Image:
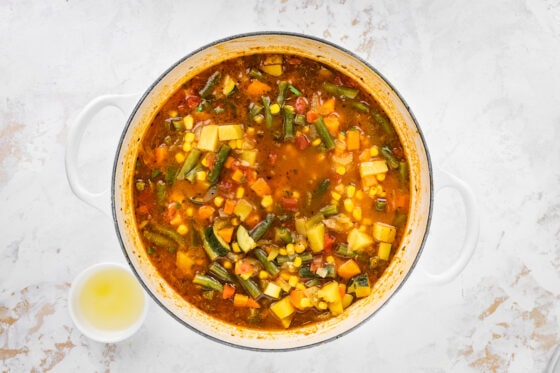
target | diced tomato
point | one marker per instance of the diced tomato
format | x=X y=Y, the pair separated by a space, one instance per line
x=311 y=116
x=226 y=186
x=301 y=105
x=302 y=142
x=316 y=263
x=291 y=60
x=330 y=240
x=228 y=291
x=192 y=101
x=272 y=158
x=290 y=203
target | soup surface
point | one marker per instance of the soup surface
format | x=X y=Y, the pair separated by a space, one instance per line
x=271 y=191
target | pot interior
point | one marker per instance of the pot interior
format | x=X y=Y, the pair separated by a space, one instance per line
x=328 y=54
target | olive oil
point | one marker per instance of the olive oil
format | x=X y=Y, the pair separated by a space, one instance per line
x=111 y=300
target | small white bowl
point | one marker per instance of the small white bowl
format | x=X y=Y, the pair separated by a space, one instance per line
x=105 y=316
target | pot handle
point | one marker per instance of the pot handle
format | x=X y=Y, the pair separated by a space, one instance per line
x=98 y=199
x=443 y=180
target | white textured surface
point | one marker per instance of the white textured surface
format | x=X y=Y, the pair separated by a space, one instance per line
x=481 y=77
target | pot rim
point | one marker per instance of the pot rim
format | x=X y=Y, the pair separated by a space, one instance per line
x=240 y=36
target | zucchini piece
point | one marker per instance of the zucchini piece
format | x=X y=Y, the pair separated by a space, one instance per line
x=269 y=266
x=220 y=272
x=208 y=138
x=273 y=290
x=359 y=285
x=244 y=240
x=228 y=132
x=213 y=244
x=208 y=282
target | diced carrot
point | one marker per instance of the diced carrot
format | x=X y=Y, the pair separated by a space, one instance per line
x=302 y=142
x=229 y=206
x=299 y=299
x=205 y=212
x=369 y=180
x=342 y=289
x=161 y=154
x=238 y=175
x=348 y=269
x=329 y=242
x=226 y=233
x=353 y=140
x=252 y=220
x=229 y=162
x=402 y=200
x=257 y=88
x=251 y=303
x=311 y=116
x=228 y=291
x=290 y=203
x=260 y=187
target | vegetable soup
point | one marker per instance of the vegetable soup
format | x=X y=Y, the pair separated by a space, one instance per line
x=271 y=191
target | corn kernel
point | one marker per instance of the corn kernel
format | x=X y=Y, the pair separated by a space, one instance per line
x=285 y=276
x=374 y=151
x=240 y=192
x=263 y=275
x=290 y=249
x=367 y=221
x=359 y=195
x=362 y=228
x=188 y=121
x=189 y=137
x=227 y=264
x=329 y=259
x=182 y=229
x=296 y=194
x=190 y=211
x=201 y=175
x=293 y=281
x=339 y=188
x=341 y=136
x=259 y=118
x=274 y=109
x=301 y=286
x=348 y=205
x=219 y=201
x=235 y=221
x=380 y=177
x=187 y=146
x=316 y=142
x=179 y=157
x=232 y=144
x=299 y=247
x=235 y=247
x=322 y=305
x=372 y=192
x=357 y=213
x=283 y=251
x=297 y=261
x=341 y=170
x=267 y=201
x=305 y=129
x=350 y=191
x=336 y=196
x=239 y=143
x=172 y=113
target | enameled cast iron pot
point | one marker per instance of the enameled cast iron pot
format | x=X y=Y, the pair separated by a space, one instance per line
x=421 y=185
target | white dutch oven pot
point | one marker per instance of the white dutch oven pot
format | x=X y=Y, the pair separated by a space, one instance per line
x=146 y=107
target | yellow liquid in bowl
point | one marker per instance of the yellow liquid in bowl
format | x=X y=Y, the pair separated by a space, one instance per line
x=111 y=300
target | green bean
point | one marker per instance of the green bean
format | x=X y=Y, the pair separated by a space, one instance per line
x=189 y=164
x=254 y=110
x=283 y=234
x=159 y=239
x=161 y=192
x=250 y=287
x=392 y=161
x=329 y=210
x=289 y=113
x=294 y=90
x=324 y=133
x=403 y=171
x=380 y=203
x=191 y=175
x=256 y=74
x=385 y=124
x=223 y=153
x=260 y=229
x=210 y=85
x=300 y=120
x=267 y=113
x=359 y=106
x=322 y=188
x=220 y=272
x=269 y=266
x=208 y=282
x=282 y=85
x=337 y=90
x=168 y=232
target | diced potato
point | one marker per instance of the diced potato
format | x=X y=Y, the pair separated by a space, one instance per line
x=336 y=308
x=384 y=232
x=286 y=321
x=384 y=250
x=330 y=293
x=347 y=300
x=358 y=241
x=242 y=209
x=316 y=237
x=208 y=138
x=300 y=226
x=185 y=262
x=249 y=156
x=283 y=308
x=373 y=167
x=227 y=132
x=273 y=65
